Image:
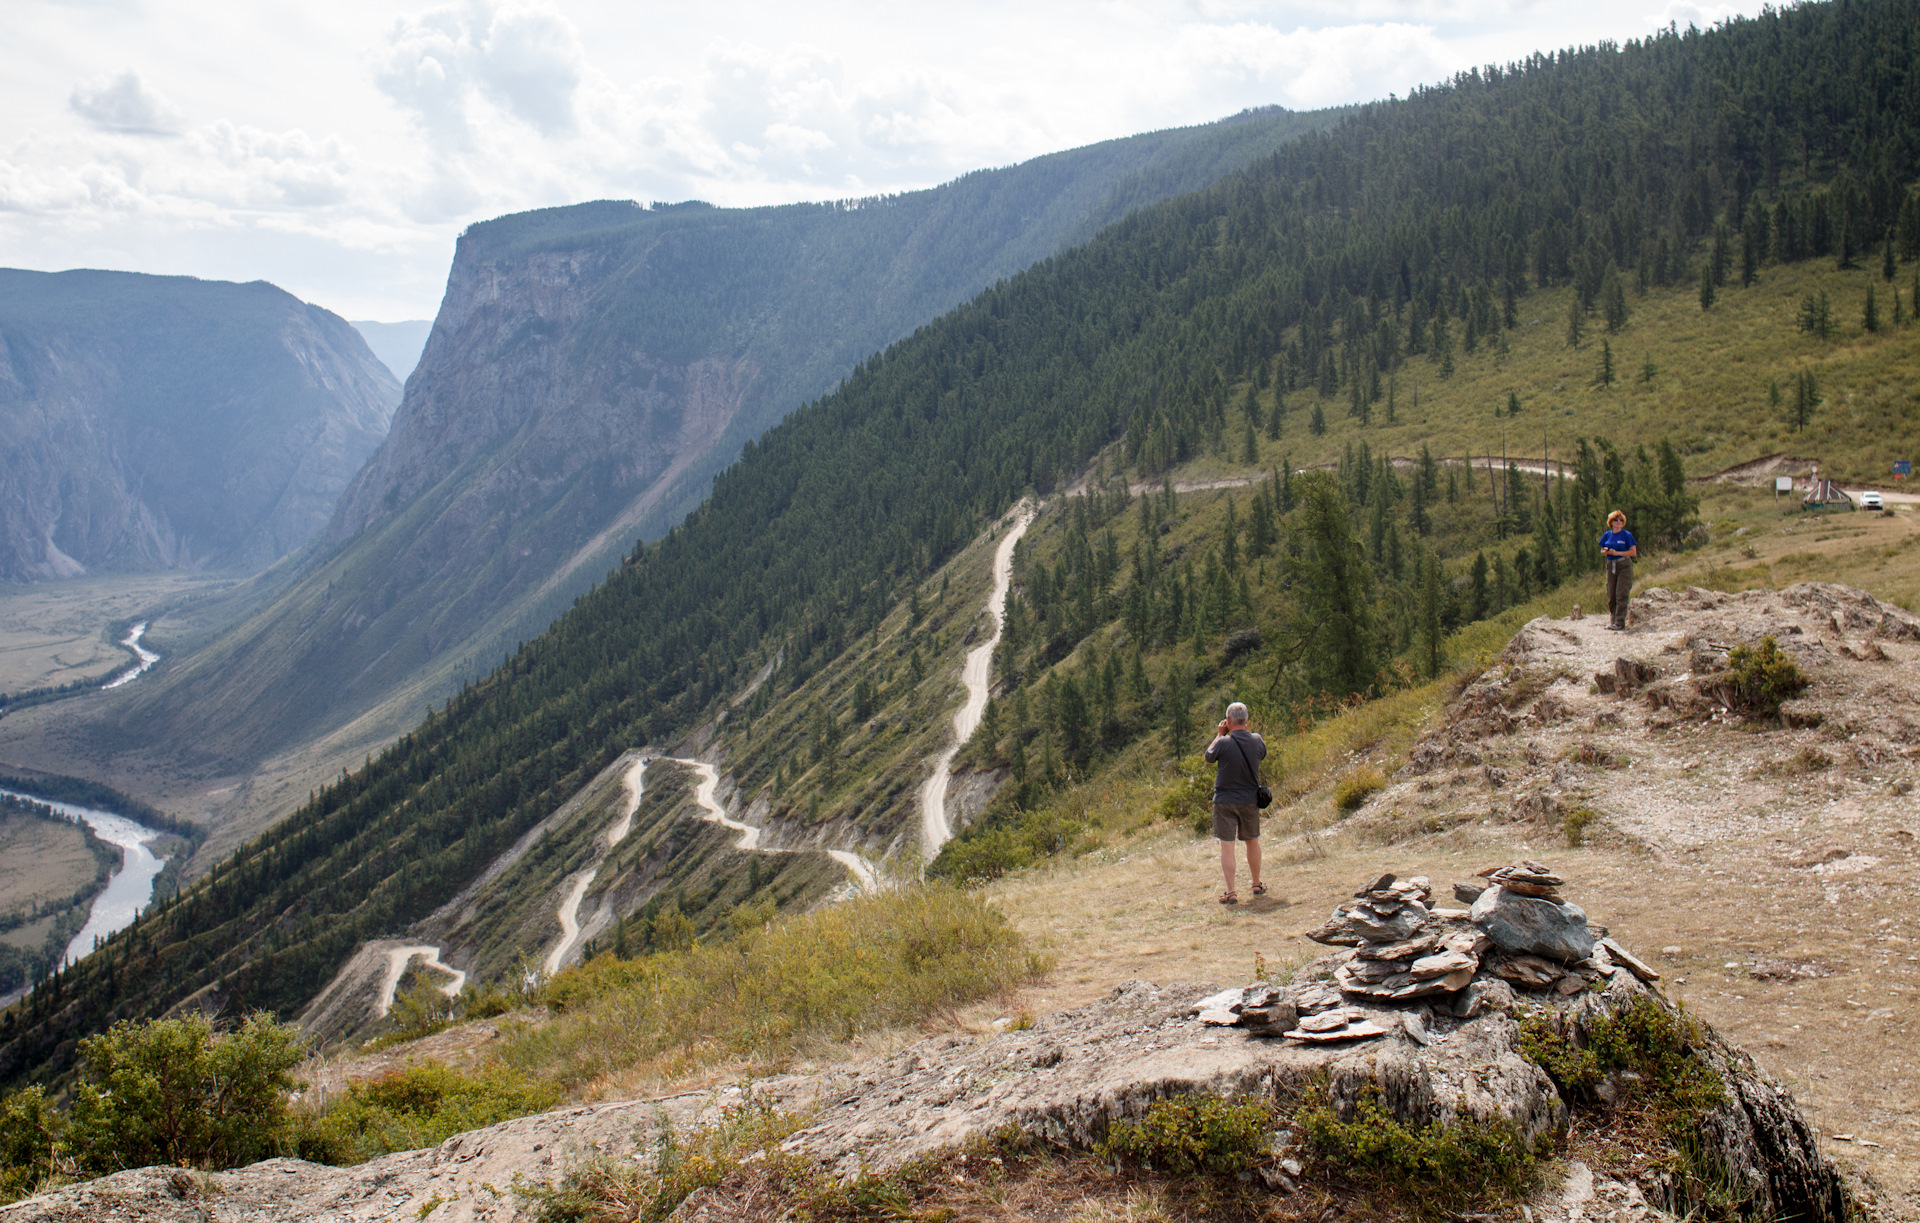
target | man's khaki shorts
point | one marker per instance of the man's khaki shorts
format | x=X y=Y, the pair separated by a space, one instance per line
x=1236 y=822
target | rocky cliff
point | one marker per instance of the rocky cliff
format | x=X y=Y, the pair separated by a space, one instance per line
x=162 y=422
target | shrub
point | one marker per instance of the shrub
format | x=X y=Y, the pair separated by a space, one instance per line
x=1759 y=678
x=1196 y=1134
x=1575 y=824
x=1189 y=796
x=173 y=1091
x=1353 y=790
x=1436 y=1169
x=420 y=1106
x=421 y=1009
x=1655 y=1043
x=30 y=1132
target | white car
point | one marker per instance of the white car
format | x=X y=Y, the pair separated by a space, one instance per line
x=1870 y=500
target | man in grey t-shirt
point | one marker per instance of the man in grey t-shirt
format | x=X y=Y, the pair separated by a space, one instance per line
x=1236 y=753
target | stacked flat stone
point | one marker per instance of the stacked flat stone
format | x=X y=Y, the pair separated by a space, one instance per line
x=1403 y=960
x=1400 y=950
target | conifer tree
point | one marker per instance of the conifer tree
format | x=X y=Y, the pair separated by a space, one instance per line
x=1806 y=397
x=1613 y=299
x=1575 y=321
x=1273 y=417
x=1430 y=627
x=1477 y=588
x=1605 y=376
x=1513 y=403
x=1706 y=287
x=1250 y=446
x=1887 y=265
x=1317 y=424
x=1870 y=316
x=1335 y=587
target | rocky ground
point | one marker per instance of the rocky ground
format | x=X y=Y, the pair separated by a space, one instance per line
x=1419 y=1002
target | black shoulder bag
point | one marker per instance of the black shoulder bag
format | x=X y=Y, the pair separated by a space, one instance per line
x=1262 y=797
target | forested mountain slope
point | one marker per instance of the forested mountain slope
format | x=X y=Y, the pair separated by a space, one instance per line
x=1432 y=239
x=160 y=422
x=590 y=369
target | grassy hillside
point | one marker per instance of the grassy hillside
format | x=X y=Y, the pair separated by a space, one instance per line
x=1352 y=263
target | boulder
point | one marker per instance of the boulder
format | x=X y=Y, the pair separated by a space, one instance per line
x=1530 y=926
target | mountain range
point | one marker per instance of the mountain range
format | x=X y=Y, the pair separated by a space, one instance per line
x=590 y=369
x=163 y=422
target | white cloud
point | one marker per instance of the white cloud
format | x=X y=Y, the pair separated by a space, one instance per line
x=122 y=103
x=523 y=59
x=347 y=148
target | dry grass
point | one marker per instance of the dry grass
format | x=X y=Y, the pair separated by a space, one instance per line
x=777 y=990
x=41 y=860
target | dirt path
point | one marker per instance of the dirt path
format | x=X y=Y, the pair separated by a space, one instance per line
x=633 y=783
x=397 y=961
x=977 y=676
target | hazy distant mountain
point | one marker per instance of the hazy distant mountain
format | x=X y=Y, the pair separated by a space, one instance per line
x=591 y=368
x=159 y=422
x=397 y=345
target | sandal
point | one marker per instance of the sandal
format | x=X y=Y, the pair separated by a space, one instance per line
x=1259 y=889
x=1228 y=898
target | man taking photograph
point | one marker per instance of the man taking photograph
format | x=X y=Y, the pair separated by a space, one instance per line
x=1236 y=753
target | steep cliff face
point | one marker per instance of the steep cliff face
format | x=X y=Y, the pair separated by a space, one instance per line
x=590 y=370
x=163 y=422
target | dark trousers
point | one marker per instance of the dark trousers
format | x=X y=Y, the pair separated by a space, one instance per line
x=1619 y=586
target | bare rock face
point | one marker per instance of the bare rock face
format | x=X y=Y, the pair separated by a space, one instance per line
x=163 y=422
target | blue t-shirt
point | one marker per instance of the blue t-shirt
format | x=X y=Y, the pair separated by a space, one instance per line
x=1619 y=541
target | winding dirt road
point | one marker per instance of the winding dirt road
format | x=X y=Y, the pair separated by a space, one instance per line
x=397 y=961
x=977 y=676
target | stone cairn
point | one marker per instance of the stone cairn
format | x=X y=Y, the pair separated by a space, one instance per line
x=1405 y=959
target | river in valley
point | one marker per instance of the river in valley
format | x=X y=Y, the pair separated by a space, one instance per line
x=130 y=887
x=147 y=659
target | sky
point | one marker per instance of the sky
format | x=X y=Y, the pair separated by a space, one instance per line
x=337 y=149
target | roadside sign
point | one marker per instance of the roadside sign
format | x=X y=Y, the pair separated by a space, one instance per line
x=1902 y=468
x=1783 y=484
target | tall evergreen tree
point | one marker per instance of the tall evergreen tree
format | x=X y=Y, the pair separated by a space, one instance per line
x=1335 y=588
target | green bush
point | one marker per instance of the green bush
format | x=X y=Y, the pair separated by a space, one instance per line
x=1657 y=1044
x=174 y=1091
x=1196 y=1134
x=420 y=1106
x=1575 y=824
x=1353 y=790
x=30 y=1142
x=1189 y=796
x=1434 y=1170
x=1759 y=678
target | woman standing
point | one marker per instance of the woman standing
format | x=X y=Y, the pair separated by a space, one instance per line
x=1619 y=547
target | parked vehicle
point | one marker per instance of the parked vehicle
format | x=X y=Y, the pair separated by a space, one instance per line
x=1870 y=500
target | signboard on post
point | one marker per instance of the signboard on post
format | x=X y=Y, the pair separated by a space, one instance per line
x=1782 y=484
x=1902 y=468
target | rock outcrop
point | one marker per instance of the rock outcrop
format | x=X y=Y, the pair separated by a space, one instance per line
x=1453 y=1052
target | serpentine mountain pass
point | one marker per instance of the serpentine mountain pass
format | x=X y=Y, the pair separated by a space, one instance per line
x=590 y=370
